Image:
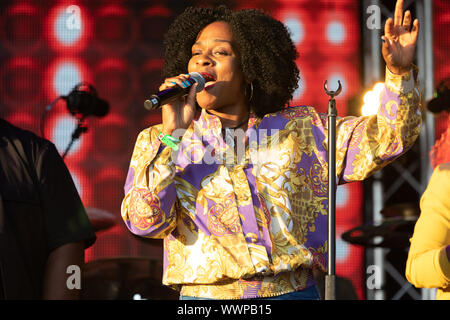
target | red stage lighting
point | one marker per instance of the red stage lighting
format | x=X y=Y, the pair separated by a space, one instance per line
x=116 y=80
x=21 y=82
x=108 y=186
x=309 y=86
x=150 y=120
x=337 y=33
x=150 y=79
x=152 y=73
x=115 y=29
x=110 y=243
x=20 y=28
x=339 y=3
x=25 y=121
x=332 y=71
x=155 y=21
x=349 y=198
x=349 y=261
x=301 y=26
x=112 y=139
x=441 y=38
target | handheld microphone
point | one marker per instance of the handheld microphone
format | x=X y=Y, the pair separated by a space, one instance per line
x=170 y=94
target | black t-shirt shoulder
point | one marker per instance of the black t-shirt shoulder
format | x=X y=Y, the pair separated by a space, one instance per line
x=64 y=216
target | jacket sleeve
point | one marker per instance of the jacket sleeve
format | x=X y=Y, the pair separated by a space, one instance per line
x=366 y=144
x=427 y=265
x=148 y=208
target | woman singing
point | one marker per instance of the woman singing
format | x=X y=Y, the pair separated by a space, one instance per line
x=239 y=192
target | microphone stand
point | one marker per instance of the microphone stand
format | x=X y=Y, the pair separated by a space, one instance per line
x=330 y=278
x=80 y=129
x=44 y=114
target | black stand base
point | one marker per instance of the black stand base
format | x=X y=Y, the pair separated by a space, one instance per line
x=330 y=287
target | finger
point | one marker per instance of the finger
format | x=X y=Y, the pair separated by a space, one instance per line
x=180 y=81
x=170 y=82
x=191 y=95
x=407 y=20
x=386 y=43
x=167 y=84
x=183 y=77
x=415 y=30
x=398 y=13
x=389 y=28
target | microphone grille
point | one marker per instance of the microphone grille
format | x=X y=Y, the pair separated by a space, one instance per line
x=199 y=79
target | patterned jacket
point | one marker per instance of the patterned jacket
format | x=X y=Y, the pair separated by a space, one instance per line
x=250 y=220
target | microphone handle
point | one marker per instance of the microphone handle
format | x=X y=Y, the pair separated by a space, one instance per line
x=167 y=95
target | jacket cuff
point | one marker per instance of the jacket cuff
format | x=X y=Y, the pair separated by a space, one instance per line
x=401 y=83
x=444 y=263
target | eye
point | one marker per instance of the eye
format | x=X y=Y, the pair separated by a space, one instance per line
x=221 y=52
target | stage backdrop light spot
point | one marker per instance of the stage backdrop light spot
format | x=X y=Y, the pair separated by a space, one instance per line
x=300 y=24
x=68 y=27
x=296 y=28
x=67 y=76
x=66 y=32
x=336 y=32
x=63 y=74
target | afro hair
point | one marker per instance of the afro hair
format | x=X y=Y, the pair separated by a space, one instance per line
x=266 y=52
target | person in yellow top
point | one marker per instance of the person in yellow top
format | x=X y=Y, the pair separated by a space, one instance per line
x=428 y=263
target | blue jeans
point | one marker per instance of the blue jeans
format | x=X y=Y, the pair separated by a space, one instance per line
x=310 y=293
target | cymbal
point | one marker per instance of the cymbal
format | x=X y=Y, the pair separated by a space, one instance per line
x=392 y=233
x=125 y=278
x=100 y=219
x=407 y=209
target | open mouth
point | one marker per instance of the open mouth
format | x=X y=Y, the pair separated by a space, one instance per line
x=210 y=80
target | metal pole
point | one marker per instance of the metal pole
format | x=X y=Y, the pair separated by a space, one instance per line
x=330 y=278
x=426 y=68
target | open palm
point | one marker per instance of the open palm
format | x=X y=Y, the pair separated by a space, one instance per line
x=400 y=40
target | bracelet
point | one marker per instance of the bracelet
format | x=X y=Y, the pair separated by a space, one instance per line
x=169 y=141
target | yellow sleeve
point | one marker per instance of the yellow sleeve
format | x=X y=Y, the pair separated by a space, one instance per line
x=427 y=265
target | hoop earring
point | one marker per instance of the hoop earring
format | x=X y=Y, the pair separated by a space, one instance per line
x=251 y=92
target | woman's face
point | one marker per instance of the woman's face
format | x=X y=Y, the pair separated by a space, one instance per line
x=214 y=55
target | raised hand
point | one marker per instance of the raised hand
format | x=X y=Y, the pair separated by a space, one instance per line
x=399 y=40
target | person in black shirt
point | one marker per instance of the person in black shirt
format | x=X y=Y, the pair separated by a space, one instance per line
x=44 y=227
